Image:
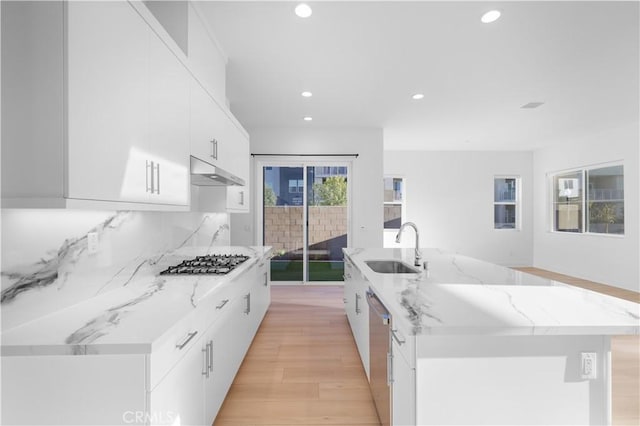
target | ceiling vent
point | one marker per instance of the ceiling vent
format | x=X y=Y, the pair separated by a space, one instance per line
x=531 y=105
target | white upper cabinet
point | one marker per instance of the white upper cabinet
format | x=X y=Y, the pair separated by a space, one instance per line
x=124 y=108
x=127 y=109
x=106 y=102
x=216 y=136
x=169 y=129
x=206 y=59
x=204 y=125
x=101 y=108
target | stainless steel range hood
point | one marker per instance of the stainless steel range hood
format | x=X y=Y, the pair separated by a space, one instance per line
x=205 y=174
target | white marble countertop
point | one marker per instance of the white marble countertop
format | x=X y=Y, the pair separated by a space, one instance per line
x=130 y=319
x=460 y=295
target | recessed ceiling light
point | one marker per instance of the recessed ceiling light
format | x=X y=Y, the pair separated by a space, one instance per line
x=417 y=96
x=306 y=94
x=308 y=118
x=303 y=10
x=490 y=16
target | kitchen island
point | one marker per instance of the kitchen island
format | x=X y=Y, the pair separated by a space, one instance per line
x=159 y=349
x=477 y=343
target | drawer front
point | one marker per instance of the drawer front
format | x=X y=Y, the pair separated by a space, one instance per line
x=170 y=349
x=349 y=269
x=405 y=345
x=177 y=341
x=216 y=305
x=181 y=337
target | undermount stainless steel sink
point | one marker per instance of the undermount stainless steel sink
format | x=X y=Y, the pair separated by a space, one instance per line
x=390 y=267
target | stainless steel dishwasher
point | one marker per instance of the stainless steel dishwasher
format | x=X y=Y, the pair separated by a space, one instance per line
x=379 y=357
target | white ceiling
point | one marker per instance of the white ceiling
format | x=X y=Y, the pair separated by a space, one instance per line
x=364 y=60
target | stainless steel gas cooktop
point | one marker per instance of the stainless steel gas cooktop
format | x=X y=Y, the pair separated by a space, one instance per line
x=213 y=264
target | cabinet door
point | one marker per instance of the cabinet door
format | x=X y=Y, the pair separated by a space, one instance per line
x=238 y=199
x=205 y=59
x=349 y=292
x=168 y=142
x=179 y=394
x=72 y=390
x=107 y=71
x=226 y=343
x=202 y=124
x=362 y=320
x=403 y=389
x=260 y=296
x=233 y=146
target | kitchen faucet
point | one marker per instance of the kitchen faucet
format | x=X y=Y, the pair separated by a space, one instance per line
x=418 y=254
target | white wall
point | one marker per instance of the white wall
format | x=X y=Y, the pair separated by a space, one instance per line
x=366 y=176
x=449 y=195
x=610 y=260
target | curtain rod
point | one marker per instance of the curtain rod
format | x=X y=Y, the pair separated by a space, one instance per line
x=304 y=155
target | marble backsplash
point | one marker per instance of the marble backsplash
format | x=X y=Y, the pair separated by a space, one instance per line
x=46 y=265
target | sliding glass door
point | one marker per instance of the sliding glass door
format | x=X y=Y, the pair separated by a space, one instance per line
x=305 y=219
x=283 y=228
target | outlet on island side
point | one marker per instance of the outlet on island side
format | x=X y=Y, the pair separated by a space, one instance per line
x=588 y=365
x=92 y=242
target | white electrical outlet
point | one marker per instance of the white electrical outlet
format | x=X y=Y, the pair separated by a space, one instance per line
x=588 y=365
x=92 y=242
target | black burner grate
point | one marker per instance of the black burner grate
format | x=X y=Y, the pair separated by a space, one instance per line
x=211 y=264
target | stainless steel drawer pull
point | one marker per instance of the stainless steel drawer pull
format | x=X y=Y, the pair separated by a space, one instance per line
x=149 y=177
x=214 y=149
x=157 y=181
x=186 y=340
x=266 y=280
x=396 y=338
x=358 y=310
x=210 y=360
x=247 y=309
x=205 y=359
x=248 y=299
x=221 y=305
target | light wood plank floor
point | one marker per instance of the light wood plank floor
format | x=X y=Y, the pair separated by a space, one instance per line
x=303 y=367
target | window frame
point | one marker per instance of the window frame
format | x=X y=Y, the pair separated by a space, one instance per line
x=401 y=203
x=517 y=203
x=583 y=171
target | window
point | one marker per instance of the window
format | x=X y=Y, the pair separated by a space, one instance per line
x=296 y=186
x=596 y=207
x=505 y=202
x=393 y=202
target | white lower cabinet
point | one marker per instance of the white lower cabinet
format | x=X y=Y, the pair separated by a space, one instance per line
x=177 y=399
x=262 y=291
x=403 y=373
x=355 y=299
x=184 y=380
x=404 y=389
x=223 y=356
x=73 y=390
x=228 y=340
